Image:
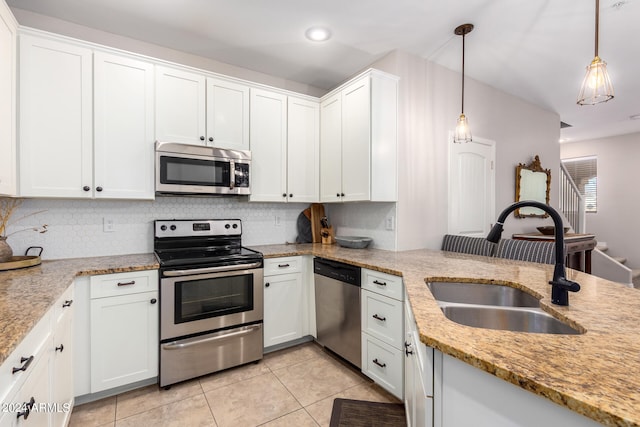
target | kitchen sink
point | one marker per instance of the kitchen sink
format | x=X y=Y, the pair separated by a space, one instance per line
x=507 y=318
x=480 y=293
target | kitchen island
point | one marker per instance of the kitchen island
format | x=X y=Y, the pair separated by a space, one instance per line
x=595 y=374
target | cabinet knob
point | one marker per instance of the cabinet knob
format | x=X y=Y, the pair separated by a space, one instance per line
x=266 y=285
x=341 y=194
x=210 y=139
x=153 y=301
x=61 y=348
x=337 y=194
x=284 y=194
x=290 y=194
x=98 y=188
x=86 y=188
x=202 y=138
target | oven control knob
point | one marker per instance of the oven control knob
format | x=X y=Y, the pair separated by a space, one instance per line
x=235 y=225
x=173 y=228
x=163 y=227
x=227 y=226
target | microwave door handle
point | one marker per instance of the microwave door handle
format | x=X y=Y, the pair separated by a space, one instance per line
x=232 y=174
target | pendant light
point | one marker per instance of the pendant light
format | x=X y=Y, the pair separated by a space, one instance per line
x=462 y=132
x=596 y=86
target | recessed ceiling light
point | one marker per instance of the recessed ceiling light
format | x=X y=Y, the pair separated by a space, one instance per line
x=318 y=34
x=635 y=117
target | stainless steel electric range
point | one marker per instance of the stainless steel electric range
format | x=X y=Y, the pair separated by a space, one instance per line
x=211 y=298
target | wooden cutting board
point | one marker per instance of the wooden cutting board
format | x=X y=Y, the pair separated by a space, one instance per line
x=317 y=212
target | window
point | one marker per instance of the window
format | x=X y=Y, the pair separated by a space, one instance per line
x=584 y=172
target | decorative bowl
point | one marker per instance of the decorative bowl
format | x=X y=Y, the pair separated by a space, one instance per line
x=550 y=230
x=355 y=242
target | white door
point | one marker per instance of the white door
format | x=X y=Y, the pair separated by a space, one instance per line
x=303 y=134
x=268 y=146
x=331 y=149
x=180 y=106
x=471 y=187
x=227 y=115
x=123 y=141
x=8 y=48
x=356 y=140
x=56 y=132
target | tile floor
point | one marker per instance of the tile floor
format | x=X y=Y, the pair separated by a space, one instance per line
x=291 y=387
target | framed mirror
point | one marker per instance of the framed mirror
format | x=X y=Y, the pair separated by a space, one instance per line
x=532 y=183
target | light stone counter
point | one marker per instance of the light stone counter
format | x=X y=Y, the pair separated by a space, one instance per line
x=27 y=294
x=596 y=374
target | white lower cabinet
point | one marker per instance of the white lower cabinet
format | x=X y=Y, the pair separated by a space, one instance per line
x=124 y=329
x=283 y=300
x=382 y=325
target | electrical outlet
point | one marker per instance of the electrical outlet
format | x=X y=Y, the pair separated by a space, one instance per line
x=389 y=223
x=277 y=221
x=108 y=225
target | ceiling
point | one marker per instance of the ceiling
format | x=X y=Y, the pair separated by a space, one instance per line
x=536 y=50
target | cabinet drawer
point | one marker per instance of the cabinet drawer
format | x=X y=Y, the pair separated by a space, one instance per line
x=27 y=354
x=382 y=318
x=134 y=282
x=282 y=265
x=382 y=283
x=383 y=364
x=35 y=389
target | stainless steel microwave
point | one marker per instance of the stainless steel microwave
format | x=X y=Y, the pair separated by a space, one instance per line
x=201 y=170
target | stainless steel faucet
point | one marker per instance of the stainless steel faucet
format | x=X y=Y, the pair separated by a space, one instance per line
x=561 y=285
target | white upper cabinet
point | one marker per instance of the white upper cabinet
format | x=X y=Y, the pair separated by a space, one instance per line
x=123 y=111
x=55 y=119
x=358 y=140
x=284 y=147
x=194 y=109
x=8 y=28
x=227 y=114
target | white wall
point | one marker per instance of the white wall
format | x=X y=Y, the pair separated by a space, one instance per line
x=429 y=108
x=616 y=221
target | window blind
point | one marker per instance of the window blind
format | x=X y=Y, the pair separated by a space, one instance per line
x=584 y=172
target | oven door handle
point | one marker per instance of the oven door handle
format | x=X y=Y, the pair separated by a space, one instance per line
x=177 y=345
x=223 y=268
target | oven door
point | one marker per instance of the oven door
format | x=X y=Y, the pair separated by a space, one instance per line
x=196 y=301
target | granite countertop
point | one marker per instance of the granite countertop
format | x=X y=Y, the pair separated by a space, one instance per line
x=40 y=286
x=595 y=374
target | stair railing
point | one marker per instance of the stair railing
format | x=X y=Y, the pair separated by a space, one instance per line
x=571 y=201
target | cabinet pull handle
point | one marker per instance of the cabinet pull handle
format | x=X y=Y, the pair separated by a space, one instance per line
x=153 y=301
x=283 y=265
x=382 y=365
x=379 y=283
x=67 y=303
x=266 y=285
x=382 y=319
x=133 y=282
x=61 y=348
x=407 y=346
x=26 y=361
x=28 y=407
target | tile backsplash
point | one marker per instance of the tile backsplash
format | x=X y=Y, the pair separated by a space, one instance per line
x=76 y=227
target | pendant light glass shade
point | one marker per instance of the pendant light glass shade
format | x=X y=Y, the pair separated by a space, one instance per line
x=462 y=132
x=596 y=86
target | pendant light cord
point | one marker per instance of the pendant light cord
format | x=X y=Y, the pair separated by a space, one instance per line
x=462 y=109
x=597 y=23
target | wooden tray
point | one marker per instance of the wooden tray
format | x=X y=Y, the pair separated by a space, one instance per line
x=20 y=262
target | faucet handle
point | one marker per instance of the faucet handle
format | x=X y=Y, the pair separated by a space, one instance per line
x=566 y=284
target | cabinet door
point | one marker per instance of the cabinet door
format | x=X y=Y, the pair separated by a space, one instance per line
x=282 y=308
x=123 y=111
x=124 y=340
x=8 y=27
x=227 y=114
x=62 y=369
x=331 y=149
x=55 y=119
x=268 y=146
x=410 y=369
x=356 y=140
x=180 y=106
x=303 y=135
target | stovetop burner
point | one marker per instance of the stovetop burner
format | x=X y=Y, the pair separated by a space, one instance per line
x=198 y=243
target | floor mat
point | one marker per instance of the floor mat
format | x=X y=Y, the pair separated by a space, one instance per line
x=360 y=413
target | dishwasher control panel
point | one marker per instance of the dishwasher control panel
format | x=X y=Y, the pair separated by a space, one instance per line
x=337 y=270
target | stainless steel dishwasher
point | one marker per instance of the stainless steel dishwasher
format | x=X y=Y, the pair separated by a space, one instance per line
x=337 y=288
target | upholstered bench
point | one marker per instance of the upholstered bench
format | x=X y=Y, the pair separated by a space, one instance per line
x=522 y=250
x=467 y=245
